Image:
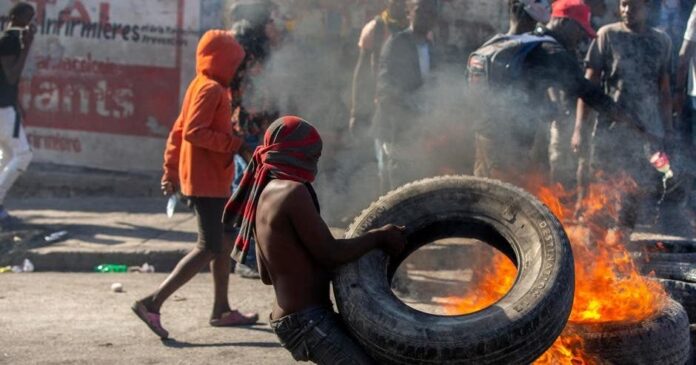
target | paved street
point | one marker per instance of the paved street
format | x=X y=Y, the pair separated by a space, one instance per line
x=114 y=229
x=54 y=318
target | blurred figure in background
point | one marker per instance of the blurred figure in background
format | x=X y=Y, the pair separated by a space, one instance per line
x=15 y=44
x=632 y=61
x=685 y=98
x=526 y=14
x=252 y=105
x=374 y=35
x=405 y=63
x=685 y=88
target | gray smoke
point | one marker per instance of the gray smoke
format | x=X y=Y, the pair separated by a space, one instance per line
x=311 y=77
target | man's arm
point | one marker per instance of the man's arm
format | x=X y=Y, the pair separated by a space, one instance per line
x=360 y=97
x=200 y=117
x=315 y=235
x=602 y=103
x=13 y=65
x=170 y=178
x=666 y=104
x=584 y=114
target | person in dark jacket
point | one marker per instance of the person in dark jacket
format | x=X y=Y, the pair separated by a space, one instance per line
x=504 y=140
x=405 y=64
x=373 y=36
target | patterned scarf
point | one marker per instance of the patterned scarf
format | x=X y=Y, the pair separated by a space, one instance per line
x=290 y=151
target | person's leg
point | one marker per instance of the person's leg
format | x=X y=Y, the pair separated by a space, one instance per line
x=221 y=243
x=16 y=154
x=221 y=267
x=482 y=163
x=381 y=166
x=184 y=271
x=189 y=266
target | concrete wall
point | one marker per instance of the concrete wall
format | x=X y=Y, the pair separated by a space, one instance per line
x=103 y=87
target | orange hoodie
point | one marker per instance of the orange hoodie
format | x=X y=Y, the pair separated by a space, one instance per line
x=201 y=146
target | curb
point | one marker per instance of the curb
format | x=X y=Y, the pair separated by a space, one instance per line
x=86 y=261
x=51 y=180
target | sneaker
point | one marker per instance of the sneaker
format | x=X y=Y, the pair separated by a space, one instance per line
x=8 y=222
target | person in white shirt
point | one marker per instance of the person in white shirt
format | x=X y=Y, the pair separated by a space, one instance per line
x=686 y=76
x=15 y=152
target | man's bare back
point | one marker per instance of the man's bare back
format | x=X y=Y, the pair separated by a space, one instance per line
x=296 y=250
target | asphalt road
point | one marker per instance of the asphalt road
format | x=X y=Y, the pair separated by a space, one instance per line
x=56 y=318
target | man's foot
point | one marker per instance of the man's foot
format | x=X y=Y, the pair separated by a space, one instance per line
x=7 y=221
x=246 y=272
x=3 y=212
x=152 y=320
x=235 y=318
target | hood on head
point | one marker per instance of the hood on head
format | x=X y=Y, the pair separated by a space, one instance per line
x=218 y=56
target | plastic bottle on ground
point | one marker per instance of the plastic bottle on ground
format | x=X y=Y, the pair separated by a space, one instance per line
x=56 y=236
x=107 y=268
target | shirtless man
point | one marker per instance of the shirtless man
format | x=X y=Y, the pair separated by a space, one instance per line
x=295 y=249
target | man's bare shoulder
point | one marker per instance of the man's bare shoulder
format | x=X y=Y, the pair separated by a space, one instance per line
x=285 y=192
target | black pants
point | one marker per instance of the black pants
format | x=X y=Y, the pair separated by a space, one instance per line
x=209 y=218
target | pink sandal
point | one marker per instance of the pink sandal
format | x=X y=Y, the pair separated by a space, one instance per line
x=235 y=318
x=152 y=320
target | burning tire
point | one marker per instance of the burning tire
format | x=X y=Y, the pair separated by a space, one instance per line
x=692 y=329
x=670 y=257
x=684 y=293
x=673 y=271
x=515 y=330
x=653 y=246
x=663 y=339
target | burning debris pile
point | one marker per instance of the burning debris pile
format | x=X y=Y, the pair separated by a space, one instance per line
x=609 y=290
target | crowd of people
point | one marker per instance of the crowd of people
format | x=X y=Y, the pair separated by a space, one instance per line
x=247 y=171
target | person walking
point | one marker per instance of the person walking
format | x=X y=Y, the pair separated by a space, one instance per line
x=198 y=160
x=405 y=66
x=15 y=44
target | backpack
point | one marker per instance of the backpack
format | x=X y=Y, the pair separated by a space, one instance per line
x=500 y=60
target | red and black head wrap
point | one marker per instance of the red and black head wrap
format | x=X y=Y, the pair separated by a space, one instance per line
x=290 y=151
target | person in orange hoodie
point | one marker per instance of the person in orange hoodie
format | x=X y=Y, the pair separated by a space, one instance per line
x=199 y=161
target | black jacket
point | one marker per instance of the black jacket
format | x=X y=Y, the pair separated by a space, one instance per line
x=399 y=80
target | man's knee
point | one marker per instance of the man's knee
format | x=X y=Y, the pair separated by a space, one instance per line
x=21 y=160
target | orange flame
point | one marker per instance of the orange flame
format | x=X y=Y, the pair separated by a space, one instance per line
x=568 y=349
x=496 y=280
x=608 y=287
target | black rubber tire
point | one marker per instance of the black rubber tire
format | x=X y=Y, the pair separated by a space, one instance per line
x=653 y=246
x=671 y=270
x=655 y=257
x=684 y=293
x=515 y=330
x=661 y=340
x=692 y=330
